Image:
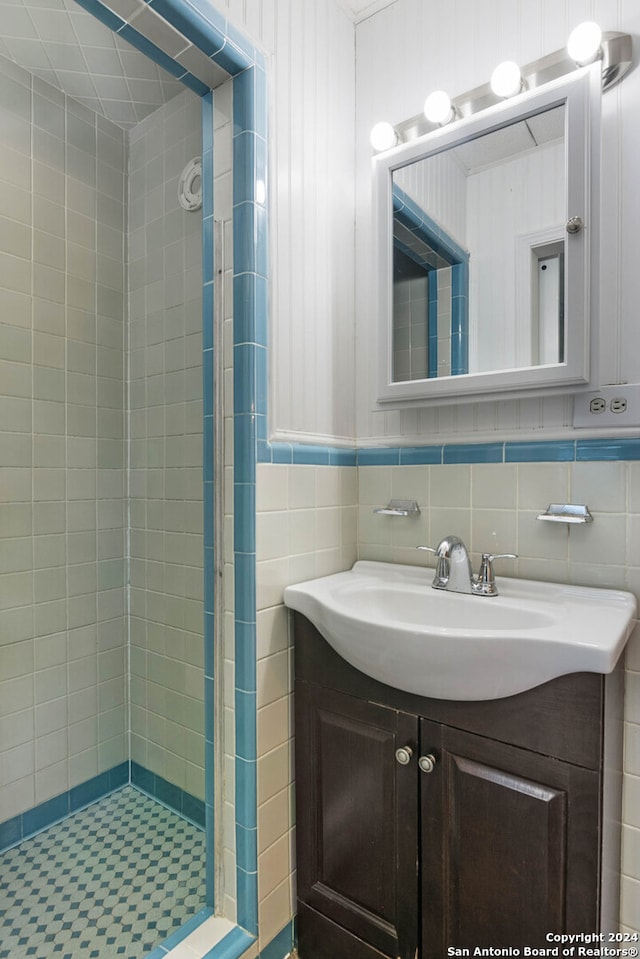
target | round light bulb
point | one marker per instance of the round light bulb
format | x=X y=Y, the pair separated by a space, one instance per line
x=438 y=108
x=583 y=45
x=383 y=136
x=506 y=79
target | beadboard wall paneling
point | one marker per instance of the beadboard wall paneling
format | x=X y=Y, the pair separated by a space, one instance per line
x=411 y=48
x=309 y=46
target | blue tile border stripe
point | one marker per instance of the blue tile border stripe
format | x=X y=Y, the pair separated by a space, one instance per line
x=306 y=454
x=59 y=807
x=520 y=451
x=249 y=424
x=181 y=802
x=530 y=451
x=282 y=944
x=34 y=820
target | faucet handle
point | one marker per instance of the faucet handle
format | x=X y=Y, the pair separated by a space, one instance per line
x=441 y=576
x=485 y=584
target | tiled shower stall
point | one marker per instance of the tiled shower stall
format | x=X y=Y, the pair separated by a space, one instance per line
x=63 y=481
x=101 y=454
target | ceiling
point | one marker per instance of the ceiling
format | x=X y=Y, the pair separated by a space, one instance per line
x=362 y=9
x=67 y=47
x=494 y=148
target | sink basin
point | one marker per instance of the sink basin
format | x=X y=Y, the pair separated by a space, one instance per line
x=389 y=623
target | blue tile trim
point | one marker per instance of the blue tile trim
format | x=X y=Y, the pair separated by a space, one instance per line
x=249 y=324
x=379 y=456
x=216 y=22
x=281 y=945
x=246 y=668
x=608 y=449
x=245 y=585
x=232 y=946
x=250 y=240
x=246 y=793
x=246 y=733
x=533 y=451
x=244 y=378
x=472 y=453
x=248 y=900
x=244 y=533
x=45 y=814
x=193 y=24
x=306 y=454
x=181 y=934
x=14 y=830
x=460 y=319
x=342 y=457
x=246 y=847
x=415 y=219
x=10 y=832
x=183 y=803
x=194 y=84
x=310 y=455
x=232 y=58
x=417 y=455
x=250 y=244
x=432 y=324
x=560 y=451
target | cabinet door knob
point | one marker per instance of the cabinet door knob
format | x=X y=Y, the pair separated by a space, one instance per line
x=427 y=763
x=404 y=754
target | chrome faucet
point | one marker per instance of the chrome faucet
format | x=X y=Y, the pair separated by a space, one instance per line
x=453 y=568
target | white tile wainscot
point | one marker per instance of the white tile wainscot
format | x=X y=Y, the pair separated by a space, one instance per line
x=493 y=508
x=306 y=527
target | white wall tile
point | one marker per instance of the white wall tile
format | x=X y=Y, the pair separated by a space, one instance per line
x=59 y=472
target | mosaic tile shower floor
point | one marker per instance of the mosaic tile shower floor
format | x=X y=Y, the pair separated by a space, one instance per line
x=111 y=882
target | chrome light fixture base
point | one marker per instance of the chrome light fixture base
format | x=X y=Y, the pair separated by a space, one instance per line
x=615 y=56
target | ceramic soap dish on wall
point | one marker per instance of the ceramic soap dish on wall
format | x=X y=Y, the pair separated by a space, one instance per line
x=399 y=507
x=564 y=513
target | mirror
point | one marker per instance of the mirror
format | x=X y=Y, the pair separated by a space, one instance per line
x=482 y=289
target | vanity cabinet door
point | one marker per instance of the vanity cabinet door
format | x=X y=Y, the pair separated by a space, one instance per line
x=509 y=845
x=357 y=828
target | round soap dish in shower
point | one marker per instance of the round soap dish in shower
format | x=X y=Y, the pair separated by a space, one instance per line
x=190 y=185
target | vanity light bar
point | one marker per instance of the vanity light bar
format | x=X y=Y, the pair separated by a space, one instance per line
x=615 y=55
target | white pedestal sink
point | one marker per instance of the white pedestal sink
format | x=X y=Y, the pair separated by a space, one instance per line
x=387 y=621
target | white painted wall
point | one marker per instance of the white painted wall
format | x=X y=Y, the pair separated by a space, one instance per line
x=310 y=51
x=520 y=197
x=413 y=47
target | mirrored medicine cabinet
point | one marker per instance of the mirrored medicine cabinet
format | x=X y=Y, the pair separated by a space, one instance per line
x=485 y=233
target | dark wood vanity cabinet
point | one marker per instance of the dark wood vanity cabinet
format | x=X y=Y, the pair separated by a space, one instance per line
x=357 y=823
x=498 y=845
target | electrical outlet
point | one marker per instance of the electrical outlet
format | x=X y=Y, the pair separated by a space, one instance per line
x=609 y=406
